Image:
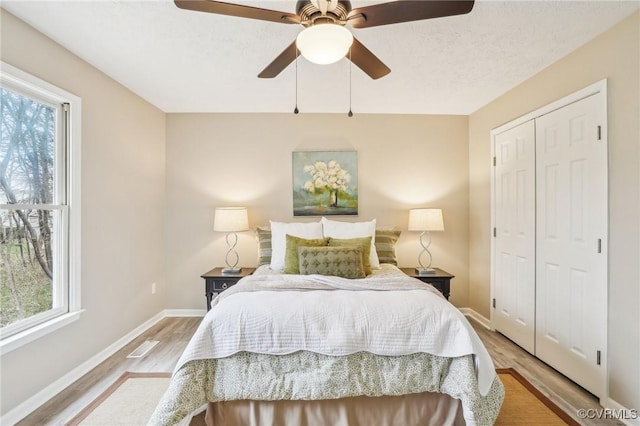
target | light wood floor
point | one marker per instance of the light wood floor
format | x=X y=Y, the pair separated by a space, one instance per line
x=174 y=333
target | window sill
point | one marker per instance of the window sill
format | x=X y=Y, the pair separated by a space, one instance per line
x=14 y=342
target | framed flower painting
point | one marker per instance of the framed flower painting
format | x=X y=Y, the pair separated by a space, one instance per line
x=325 y=183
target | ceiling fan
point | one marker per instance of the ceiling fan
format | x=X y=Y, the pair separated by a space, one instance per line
x=325 y=23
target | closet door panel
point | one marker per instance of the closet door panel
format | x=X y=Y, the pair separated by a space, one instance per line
x=571 y=218
x=514 y=255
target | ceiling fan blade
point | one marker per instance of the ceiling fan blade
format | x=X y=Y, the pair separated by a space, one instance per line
x=223 y=8
x=283 y=60
x=367 y=61
x=405 y=11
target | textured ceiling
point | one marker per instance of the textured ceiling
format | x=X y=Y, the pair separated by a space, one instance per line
x=184 y=61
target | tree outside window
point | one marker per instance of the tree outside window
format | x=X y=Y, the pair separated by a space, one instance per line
x=31 y=207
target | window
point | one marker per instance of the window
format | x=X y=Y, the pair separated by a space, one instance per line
x=39 y=223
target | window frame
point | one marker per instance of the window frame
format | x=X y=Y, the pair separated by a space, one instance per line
x=67 y=209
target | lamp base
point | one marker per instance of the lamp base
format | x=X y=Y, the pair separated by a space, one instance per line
x=425 y=271
x=231 y=271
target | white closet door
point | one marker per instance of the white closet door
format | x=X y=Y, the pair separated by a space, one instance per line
x=570 y=248
x=514 y=250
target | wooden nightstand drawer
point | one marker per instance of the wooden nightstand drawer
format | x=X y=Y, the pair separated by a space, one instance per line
x=215 y=282
x=440 y=280
x=219 y=286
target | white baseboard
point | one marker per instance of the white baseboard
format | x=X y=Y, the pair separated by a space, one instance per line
x=483 y=321
x=185 y=312
x=619 y=412
x=27 y=407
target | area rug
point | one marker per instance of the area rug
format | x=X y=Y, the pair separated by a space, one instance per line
x=129 y=401
x=133 y=397
x=525 y=405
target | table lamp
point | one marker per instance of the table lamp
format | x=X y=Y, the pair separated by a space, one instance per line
x=426 y=221
x=231 y=220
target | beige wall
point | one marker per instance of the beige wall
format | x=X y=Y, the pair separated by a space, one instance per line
x=614 y=55
x=123 y=145
x=137 y=210
x=245 y=159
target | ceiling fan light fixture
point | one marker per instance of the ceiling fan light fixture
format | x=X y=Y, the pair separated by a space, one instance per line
x=324 y=43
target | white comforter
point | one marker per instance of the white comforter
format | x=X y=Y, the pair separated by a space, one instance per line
x=388 y=313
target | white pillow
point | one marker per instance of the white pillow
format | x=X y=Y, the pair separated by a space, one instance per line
x=279 y=231
x=337 y=229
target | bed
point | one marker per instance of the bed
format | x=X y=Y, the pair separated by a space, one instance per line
x=310 y=348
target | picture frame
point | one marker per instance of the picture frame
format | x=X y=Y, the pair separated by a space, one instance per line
x=325 y=183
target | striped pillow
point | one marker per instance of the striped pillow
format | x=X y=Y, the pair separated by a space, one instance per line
x=386 y=240
x=263 y=235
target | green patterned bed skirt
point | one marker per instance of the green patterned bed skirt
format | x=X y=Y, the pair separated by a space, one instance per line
x=310 y=376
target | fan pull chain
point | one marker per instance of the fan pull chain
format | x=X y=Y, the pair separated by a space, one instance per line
x=350 y=114
x=295 y=110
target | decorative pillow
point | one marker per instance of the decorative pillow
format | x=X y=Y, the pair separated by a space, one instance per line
x=337 y=229
x=279 y=230
x=345 y=262
x=365 y=247
x=263 y=236
x=385 y=243
x=386 y=240
x=291 y=251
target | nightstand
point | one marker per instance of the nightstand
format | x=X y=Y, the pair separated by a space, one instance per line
x=440 y=280
x=215 y=282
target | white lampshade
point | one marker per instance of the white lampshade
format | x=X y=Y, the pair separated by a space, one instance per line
x=324 y=43
x=231 y=219
x=425 y=220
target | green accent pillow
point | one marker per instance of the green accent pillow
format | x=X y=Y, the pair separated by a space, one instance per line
x=386 y=240
x=264 y=246
x=365 y=245
x=291 y=251
x=345 y=262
